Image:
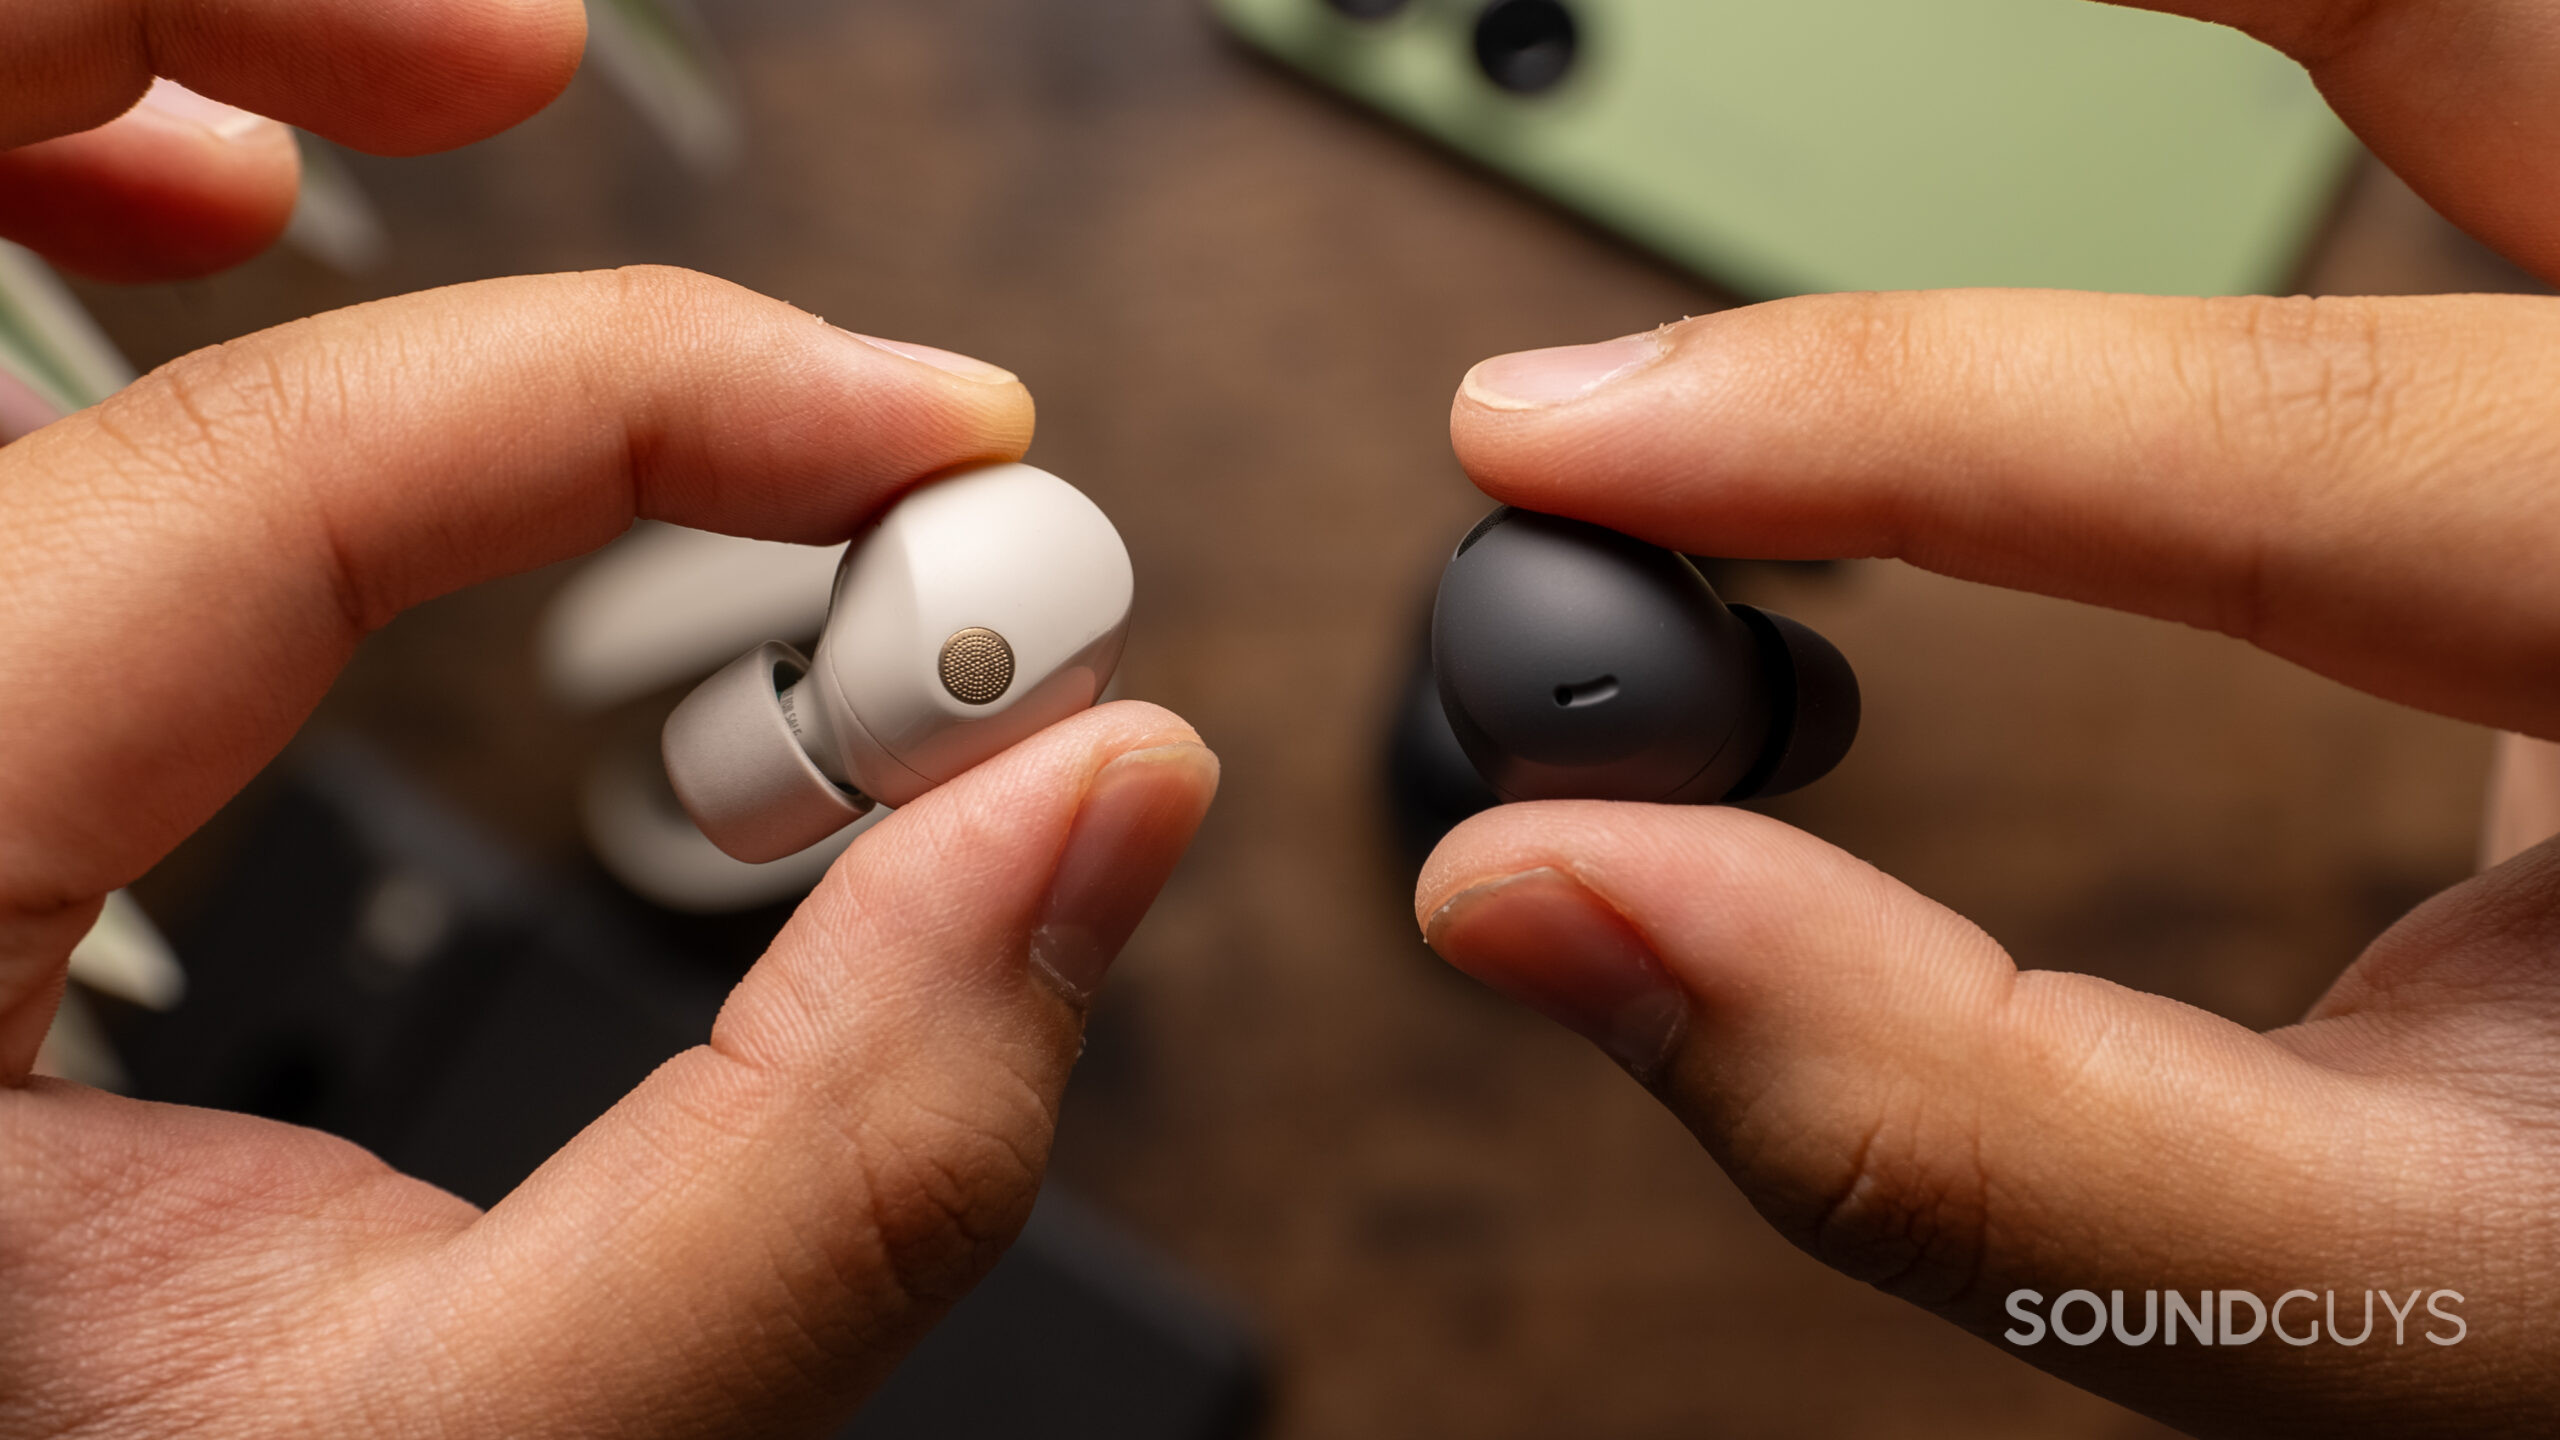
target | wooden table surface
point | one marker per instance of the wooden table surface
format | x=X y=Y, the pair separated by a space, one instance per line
x=1243 y=309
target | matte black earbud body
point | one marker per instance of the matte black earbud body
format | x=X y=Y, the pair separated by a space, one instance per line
x=1579 y=663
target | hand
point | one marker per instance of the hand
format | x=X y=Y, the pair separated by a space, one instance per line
x=190 y=181
x=2364 y=487
x=748 y=1242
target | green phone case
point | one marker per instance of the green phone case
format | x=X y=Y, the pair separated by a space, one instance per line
x=1788 y=146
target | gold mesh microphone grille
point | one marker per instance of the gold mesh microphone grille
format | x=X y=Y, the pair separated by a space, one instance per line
x=977 y=666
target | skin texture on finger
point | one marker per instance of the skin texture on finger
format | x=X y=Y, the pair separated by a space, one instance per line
x=744 y=1246
x=763 y=1229
x=395 y=77
x=159 y=1259
x=2455 y=98
x=158 y=194
x=2462 y=988
x=1901 y=1101
x=2361 y=486
x=190 y=563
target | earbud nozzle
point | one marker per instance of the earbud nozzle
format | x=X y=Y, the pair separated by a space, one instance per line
x=741 y=772
x=1816 y=695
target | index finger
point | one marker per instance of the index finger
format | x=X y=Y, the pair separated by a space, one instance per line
x=2361 y=486
x=184 y=568
x=388 y=76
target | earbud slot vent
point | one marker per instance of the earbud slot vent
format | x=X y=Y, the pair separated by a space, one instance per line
x=1483 y=528
x=1588 y=693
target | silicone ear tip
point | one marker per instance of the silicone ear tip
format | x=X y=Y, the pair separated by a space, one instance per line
x=741 y=773
x=1817 y=697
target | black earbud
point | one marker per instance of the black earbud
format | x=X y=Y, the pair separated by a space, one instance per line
x=1577 y=663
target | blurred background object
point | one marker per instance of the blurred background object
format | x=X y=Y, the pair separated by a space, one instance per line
x=333 y=222
x=1243 y=308
x=53 y=357
x=122 y=958
x=661 y=58
x=1863 y=144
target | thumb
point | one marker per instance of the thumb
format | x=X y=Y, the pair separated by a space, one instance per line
x=751 y=1240
x=1904 y=1103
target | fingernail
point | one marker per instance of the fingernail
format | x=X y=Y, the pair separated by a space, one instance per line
x=168 y=97
x=1137 y=819
x=1544 y=939
x=1537 y=379
x=965 y=366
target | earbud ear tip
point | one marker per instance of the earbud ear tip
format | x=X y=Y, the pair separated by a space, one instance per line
x=1816 y=698
x=739 y=770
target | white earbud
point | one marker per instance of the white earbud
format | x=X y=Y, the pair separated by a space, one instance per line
x=981 y=608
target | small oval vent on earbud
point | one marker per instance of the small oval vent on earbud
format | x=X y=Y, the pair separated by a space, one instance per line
x=977 y=666
x=1589 y=692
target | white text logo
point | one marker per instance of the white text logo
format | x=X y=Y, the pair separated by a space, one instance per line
x=2231 y=1317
